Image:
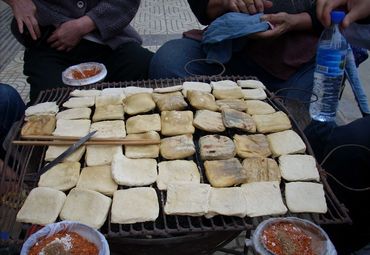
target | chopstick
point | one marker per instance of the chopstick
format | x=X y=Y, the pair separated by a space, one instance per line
x=68 y=140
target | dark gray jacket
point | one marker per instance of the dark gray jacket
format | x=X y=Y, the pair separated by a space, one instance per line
x=111 y=17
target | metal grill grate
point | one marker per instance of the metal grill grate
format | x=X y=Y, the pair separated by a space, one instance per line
x=27 y=163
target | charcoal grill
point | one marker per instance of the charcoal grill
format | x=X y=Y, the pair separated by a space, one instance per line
x=25 y=161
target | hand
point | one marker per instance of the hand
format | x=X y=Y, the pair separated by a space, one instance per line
x=24 y=12
x=357 y=9
x=247 y=6
x=282 y=22
x=70 y=33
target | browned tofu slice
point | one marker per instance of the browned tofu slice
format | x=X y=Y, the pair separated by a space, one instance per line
x=225 y=173
x=261 y=169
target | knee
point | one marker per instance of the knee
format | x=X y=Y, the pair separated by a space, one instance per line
x=9 y=93
x=170 y=59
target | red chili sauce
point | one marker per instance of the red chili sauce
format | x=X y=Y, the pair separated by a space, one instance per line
x=83 y=74
x=64 y=243
x=287 y=239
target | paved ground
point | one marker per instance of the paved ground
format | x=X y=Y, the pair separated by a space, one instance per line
x=157 y=21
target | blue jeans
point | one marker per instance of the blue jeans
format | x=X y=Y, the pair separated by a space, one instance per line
x=170 y=61
x=11 y=109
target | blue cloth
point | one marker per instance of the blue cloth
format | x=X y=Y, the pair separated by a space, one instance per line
x=11 y=109
x=219 y=40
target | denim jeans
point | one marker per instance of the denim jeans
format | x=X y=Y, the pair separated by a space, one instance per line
x=11 y=109
x=170 y=61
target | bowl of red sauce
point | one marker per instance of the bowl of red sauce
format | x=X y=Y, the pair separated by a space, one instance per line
x=291 y=236
x=66 y=237
x=84 y=74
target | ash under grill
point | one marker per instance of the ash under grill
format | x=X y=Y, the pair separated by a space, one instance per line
x=27 y=164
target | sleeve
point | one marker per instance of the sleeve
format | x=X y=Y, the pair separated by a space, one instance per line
x=316 y=24
x=112 y=16
x=47 y=14
x=199 y=8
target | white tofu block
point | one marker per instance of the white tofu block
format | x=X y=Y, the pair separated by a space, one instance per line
x=109 y=129
x=62 y=176
x=298 y=168
x=47 y=108
x=286 y=142
x=99 y=155
x=78 y=128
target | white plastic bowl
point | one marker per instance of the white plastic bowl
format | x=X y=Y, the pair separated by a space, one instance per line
x=68 y=79
x=83 y=230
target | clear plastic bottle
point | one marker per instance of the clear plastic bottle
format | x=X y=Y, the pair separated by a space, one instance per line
x=328 y=75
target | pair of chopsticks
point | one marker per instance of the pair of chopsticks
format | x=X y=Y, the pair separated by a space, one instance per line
x=40 y=140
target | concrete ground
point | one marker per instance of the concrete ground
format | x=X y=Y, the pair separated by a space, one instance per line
x=157 y=21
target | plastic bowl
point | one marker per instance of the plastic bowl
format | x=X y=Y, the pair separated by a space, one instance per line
x=84 y=74
x=85 y=231
x=320 y=242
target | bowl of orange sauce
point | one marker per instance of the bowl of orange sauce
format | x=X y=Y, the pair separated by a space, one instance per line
x=66 y=237
x=291 y=235
x=84 y=74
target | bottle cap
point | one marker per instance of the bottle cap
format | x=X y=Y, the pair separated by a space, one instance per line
x=337 y=16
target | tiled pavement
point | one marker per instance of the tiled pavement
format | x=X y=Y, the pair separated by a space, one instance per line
x=157 y=21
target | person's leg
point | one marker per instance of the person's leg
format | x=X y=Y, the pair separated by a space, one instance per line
x=170 y=60
x=11 y=109
x=129 y=62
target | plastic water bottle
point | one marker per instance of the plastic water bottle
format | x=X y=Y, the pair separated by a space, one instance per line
x=328 y=75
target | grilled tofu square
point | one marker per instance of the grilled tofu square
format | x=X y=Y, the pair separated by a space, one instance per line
x=235 y=119
x=225 y=173
x=215 y=147
x=261 y=169
x=248 y=146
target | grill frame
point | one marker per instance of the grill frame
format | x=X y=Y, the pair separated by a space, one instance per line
x=166 y=225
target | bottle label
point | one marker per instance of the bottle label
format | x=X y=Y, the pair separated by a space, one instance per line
x=330 y=61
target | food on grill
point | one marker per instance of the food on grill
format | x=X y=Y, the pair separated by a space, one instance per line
x=113 y=91
x=138 y=103
x=195 y=85
x=226 y=201
x=251 y=84
x=213 y=147
x=263 y=198
x=47 y=108
x=298 y=168
x=109 y=129
x=256 y=94
x=177 y=170
x=39 y=125
x=261 y=170
x=201 y=100
x=75 y=114
x=236 y=104
x=135 y=205
x=100 y=155
x=42 y=206
x=209 y=121
x=177 y=147
x=274 y=122
x=63 y=176
x=229 y=93
x=225 y=173
x=54 y=151
x=248 y=146
x=286 y=142
x=177 y=123
x=63 y=243
x=79 y=102
x=85 y=93
x=108 y=112
x=87 y=207
x=110 y=99
x=305 y=197
x=97 y=178
x=143 y=151
x=78 y=128
x=168 y=89
x=187 y=198
x=133 y=172
x=224 y=84
x=130 y=90
x=170 y=101
x=143 y=123
x=235 y=119
x=258 y=107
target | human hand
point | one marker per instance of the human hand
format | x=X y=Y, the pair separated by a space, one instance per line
x=357 y=9
x=247 y=6
x=70 y=33
x=281 y=22
x=24 y=12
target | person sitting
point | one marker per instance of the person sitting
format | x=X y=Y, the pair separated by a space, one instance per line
x=58 y=34
x=347 y=147
x=282 y=57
